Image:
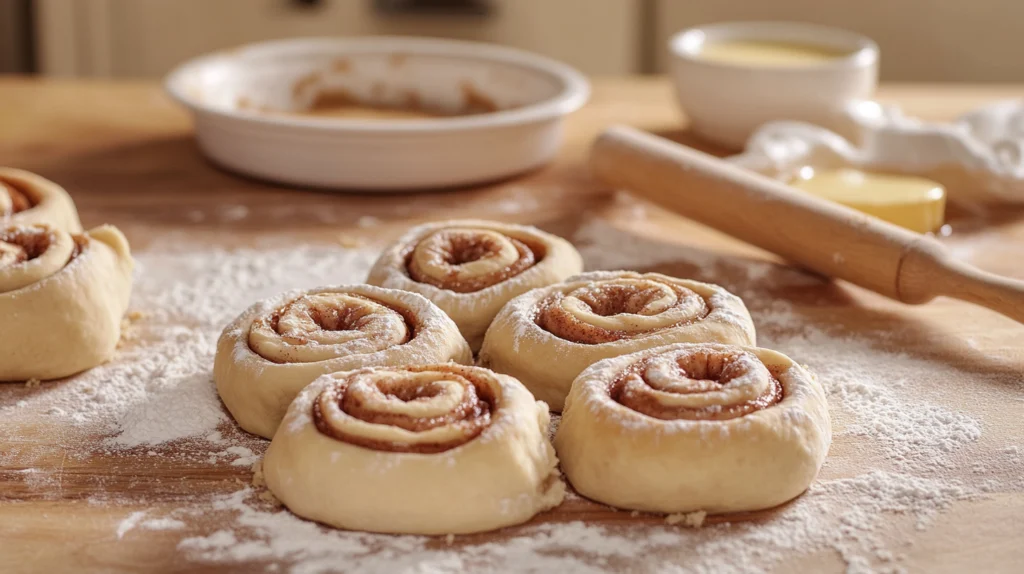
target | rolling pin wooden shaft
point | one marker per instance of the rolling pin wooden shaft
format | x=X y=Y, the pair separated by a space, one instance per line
x=821 y=235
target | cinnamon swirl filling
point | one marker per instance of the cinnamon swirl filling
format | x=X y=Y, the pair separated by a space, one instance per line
x=326 y=325
x=701 y=382
x=12 y=200
x=466 y=260
x=30 y=253
x=616 y=309
x=417 y=409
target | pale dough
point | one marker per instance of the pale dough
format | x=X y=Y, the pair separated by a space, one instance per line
x=278 y=346
x=62 y=298
x=429 y=449
x=691 y=427
x=26 y=198
x=546 y=337
x=471 y=268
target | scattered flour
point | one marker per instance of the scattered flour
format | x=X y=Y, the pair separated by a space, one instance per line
x=232 y=213
x=245 y=456
x=517 y=199
x=367 y=221
x=135 y=520
x=163 y=390
x=688 y=519
x=158 y=394
x=129 y=523
x=162 y=524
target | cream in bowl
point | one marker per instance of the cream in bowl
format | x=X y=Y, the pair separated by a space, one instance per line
x=731 y=78
x=378 y=113
x=768 y=54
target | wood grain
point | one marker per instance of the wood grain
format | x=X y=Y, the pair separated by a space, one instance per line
x=126 y=154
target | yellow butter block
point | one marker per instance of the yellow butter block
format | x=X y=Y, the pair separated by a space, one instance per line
x=913 y=202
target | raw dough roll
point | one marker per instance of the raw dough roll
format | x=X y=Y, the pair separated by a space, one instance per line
x=62 y=297
x=471 y=268
x=26 y=198
x=546 y=337
x=691 y=427
x=425 y=449
x=277 y=346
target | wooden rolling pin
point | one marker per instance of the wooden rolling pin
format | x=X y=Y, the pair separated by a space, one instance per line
x=821 y=235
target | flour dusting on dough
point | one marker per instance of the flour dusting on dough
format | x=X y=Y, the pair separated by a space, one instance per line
x=156 y=400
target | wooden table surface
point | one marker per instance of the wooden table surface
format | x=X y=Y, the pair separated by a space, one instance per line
x=126 y=154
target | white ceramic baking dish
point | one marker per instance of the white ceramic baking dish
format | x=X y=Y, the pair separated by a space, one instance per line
x=726 y=102
x=243 y=102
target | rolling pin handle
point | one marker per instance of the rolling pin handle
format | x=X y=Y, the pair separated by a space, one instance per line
x=929 y=270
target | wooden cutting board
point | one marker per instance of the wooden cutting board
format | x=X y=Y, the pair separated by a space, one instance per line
x=126 y=155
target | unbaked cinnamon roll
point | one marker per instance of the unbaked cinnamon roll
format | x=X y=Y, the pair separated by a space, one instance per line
x=471 y=268
x=425 y=449
x=690 y=427
x=546 y=337
x=26 y=198
x=278 y=346
x=62 y=297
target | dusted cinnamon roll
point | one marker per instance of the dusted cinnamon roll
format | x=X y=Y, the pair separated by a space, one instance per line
x=425 y=449
x=546 y=337
x=471 y=268
x=690 y=427
x=62 y=297
x=280 y=345
x=26 y=198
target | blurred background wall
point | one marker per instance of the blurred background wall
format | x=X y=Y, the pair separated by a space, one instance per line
x=921 y=40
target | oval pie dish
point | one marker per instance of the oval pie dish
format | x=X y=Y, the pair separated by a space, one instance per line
x=493 y=111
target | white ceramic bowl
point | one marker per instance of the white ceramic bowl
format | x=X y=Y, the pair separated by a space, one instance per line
x=726 y=102
x=232 y=94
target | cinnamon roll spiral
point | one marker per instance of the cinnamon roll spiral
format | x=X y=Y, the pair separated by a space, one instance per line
x=471 y=268
x=424 y=449
x=685 y=427
x=415 y=410
x=26 y=198
x=278 y=346
x=62 y=297
x=548 y=336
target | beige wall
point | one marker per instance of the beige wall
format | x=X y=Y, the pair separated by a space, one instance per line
x=130 y=38
x=921 y=40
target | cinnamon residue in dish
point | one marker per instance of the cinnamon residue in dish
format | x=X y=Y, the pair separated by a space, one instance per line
x=341 y=65
x=339 y=102
x=475 y=101
x=305 y=83
x=342 y=103
x=397 y=60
